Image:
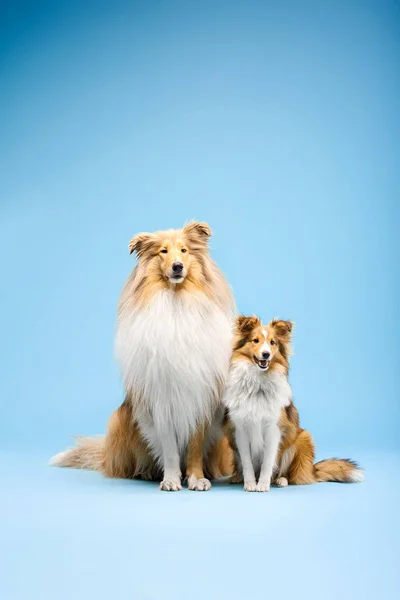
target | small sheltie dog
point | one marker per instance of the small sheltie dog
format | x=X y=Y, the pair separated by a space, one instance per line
x=261 y=420
x=173 y=343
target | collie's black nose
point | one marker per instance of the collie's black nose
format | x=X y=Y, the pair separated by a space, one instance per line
x=266 y=355
x=177 y=267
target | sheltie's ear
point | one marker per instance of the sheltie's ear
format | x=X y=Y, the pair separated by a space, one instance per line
x=197 y=232
x=246 y=325
x=283 y=330
x=140 y=243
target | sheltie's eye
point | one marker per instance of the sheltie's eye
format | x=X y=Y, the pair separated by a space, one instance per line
x=164 y=251
x=256 y=340
x=183 y=250
x=272 y=343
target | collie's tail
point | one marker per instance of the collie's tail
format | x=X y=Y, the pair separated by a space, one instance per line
x=343 y=470
x=87 y=454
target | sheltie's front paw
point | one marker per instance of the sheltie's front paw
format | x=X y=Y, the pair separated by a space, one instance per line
x=281 y=482
x=200 y=485
x=263 y=486
x=236 y=478
x=250 y=486
x=170 y=485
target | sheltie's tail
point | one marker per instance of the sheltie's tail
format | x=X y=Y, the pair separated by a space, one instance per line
x=338 y=469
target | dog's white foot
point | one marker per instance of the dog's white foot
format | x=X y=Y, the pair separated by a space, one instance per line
x=170 y=485
x=281 y=482
x=263 y=486
x=250 y=486
x=200 y=485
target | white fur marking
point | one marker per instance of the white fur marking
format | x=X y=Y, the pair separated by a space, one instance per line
x=170 y=485
x=272 y=438
x=200 y=485
x=250 y=486
x=281 y=482
x=265 y=348
x=254 y=396
x=174 y=353
x=262 y=487
x=58 y=459
x=356 y=476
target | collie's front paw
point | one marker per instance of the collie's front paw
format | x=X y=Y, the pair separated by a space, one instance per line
x=263 y=486
x=281 y=482
x=170 y=485
x=200 y=485
x=250 y=486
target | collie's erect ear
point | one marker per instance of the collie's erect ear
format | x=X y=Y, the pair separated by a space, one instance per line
x=246 y=324
x=199 y=232
x=140 y=243
x=283 y=329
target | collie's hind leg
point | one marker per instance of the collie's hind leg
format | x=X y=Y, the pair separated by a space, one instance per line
x=194 y=462
x=125 y=453
x=218 y=460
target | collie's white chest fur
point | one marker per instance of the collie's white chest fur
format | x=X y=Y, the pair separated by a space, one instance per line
x=255 y=399
x=174 y=356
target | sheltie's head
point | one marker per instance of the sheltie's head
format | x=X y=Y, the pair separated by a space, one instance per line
x=264 y=346
x=173 y=256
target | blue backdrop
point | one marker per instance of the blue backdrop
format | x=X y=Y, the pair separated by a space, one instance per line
x=276 y=122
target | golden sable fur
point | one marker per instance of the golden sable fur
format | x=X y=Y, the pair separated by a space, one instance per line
x=294 y=462
x=174 y=376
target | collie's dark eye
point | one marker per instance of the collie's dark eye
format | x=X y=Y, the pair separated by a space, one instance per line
x=183 y=250
x=256 y=340
x=164 y=251
x=272 y=343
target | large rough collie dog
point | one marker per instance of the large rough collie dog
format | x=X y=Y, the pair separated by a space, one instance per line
x=262 y=421
x=173 y=343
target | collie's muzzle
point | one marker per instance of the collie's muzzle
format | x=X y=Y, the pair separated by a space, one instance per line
x=177 y=273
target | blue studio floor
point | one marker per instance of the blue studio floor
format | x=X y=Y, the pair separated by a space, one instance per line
x=75 y=535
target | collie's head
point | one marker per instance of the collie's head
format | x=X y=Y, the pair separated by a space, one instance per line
x=266 y=347
x=174 y=256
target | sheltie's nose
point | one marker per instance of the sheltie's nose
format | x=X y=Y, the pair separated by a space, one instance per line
x=266 y=355
x=177 y=267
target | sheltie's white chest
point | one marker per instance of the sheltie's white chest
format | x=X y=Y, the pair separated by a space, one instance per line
x=255 y=400
x=174 y=356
